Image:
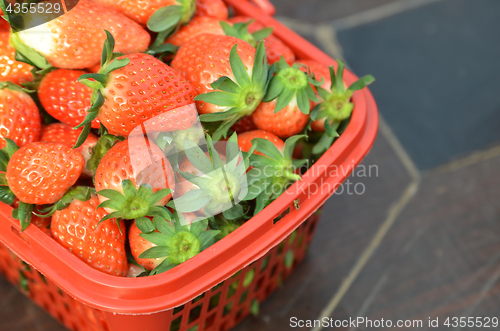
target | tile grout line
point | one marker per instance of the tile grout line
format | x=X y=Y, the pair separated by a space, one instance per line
x=398 y=148
x=474 y=158
x=394 y=212
x=327 y=36
x=379 y=13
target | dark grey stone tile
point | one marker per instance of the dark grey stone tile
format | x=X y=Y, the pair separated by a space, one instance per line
x=347 y=226
x=441 y=258
x=17 y=312
x=437 y=76
x=323 y=10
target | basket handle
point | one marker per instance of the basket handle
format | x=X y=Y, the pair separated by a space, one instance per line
x=266 y=6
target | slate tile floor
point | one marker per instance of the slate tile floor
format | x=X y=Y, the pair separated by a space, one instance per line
x=423 y=240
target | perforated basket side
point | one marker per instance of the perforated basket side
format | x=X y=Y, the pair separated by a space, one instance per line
x=220 y=308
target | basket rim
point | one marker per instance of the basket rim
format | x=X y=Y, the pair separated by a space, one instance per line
x=251 y=241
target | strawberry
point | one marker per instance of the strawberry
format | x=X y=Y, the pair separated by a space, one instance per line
x=275 y=48
x=273 y=169
x=244 y=125
x=210 y=183
x=161 y=245
x=71 y=40
x=245 y=140
x=38 y=173
x=335 y=105
x=287 y=104
x=132 y=90
x=197 y=26
x=211 y=8
x=100 y=245
x=19 y=116
x=64 y=98
x=133 y=179
x=229 y=74
x=11 y=69
x=62 y=133
x=141 y=11
x=285 y=123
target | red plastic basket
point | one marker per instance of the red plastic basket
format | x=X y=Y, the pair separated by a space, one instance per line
x=215 y=289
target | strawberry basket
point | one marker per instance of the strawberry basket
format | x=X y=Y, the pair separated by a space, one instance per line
x=217 y=288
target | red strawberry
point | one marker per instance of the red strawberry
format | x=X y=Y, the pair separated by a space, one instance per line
x=139 y=11
x=287 y=104
x=139 y=245
x=178 y=242
x=245 y=140
x=64 y=98
x=41 y=173
x=335 y=105
x=4 y=25
x=19 y=116
x=10 y=69
x=285 y=123
x=162 y=16
x=275 y=48
x=37 y=174
x=139 y=89
x=211 y=8
x=198 y=25
x=134 y=175
x=101 y=246
x=71 y=40
x=244 y=125
x=62 y=133
x=205 y=59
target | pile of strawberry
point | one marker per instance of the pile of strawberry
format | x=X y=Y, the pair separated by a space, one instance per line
x=92 y=103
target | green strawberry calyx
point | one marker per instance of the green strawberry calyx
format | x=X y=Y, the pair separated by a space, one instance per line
x=167 y=19
x=336 y=104
x=174 y=242
x=82 y=193
x=240 y=31
x=273 y=172
x=133 y=202
x=290 y=84
x=223 y=184
x=97 y=82
x=240 y=97
x=102 y=147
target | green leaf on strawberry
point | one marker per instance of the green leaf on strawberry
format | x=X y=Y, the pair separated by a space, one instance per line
x=82 y=193
x=242 y=96
x=133 y=203
x=289 y=84
x=167 y=19
x=240 y=31
x=273 y=171
x=336 y=104
x=102 y=147
x=176 y=243
x=97 y=82
x=221 y=185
